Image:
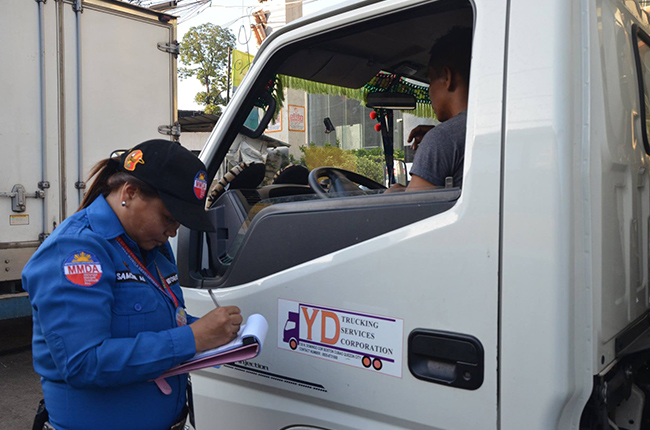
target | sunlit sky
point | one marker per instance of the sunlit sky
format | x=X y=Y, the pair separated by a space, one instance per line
x=236 y=15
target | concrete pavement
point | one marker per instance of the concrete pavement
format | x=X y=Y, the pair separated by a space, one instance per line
x=20 y=386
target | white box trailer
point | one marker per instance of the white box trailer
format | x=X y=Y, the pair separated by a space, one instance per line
x=521 y=301
x=79 y=79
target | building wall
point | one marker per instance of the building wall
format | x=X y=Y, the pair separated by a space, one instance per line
x=194 y=141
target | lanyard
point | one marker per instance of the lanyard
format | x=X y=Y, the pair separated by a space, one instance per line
x=134 y=258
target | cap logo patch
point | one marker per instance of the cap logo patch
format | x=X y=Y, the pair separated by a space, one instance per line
x=200 y=184
x=132 y=160
x=83 y=268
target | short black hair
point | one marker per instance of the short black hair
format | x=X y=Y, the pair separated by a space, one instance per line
x=453 y=50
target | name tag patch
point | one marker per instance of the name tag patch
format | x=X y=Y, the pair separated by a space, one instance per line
x=126 y=276
x=82 y=268
x=172 y=279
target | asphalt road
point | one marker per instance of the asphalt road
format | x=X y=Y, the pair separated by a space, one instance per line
x=20 y=386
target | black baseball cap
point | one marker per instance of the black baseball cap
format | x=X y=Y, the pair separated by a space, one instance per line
x=178 y=175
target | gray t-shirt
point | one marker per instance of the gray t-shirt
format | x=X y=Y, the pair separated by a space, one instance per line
x=442 y=152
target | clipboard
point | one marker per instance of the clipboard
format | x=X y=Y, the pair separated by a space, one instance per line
x=245 y=346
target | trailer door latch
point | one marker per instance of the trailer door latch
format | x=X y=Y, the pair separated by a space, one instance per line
x=170 y=130
x=18 y=196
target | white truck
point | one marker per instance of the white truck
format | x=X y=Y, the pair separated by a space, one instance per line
x=520 y=301
x=79 y=80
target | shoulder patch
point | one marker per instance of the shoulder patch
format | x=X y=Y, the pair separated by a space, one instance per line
x=82 y=268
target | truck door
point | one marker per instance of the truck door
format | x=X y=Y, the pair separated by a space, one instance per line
x=382 y=308
x=29 y=203
x=86 y=78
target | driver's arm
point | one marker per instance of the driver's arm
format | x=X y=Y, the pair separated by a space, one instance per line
x=420 y=184
x=417 y=184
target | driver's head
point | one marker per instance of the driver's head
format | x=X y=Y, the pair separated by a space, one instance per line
x=448 y=71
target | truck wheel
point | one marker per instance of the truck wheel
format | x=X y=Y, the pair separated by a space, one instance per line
x=293 y=343
x=366 y=361
x=376 y=363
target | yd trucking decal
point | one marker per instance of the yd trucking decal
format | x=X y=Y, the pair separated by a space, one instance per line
x=361 y=340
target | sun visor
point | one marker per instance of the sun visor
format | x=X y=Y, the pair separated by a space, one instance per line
x=325 y=66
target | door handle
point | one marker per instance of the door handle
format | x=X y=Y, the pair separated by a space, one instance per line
x=445 y=358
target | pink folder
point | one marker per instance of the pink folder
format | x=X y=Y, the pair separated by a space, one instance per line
x=246 y=346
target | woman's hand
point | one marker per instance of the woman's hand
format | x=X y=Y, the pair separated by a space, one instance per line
x=216 y=328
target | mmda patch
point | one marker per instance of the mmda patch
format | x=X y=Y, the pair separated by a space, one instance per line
x=82 y=268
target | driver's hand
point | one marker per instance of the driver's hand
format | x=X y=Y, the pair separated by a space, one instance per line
x=395 y=188
x=417 y=134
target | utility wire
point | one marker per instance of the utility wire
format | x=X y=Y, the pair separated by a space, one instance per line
x=188 y=9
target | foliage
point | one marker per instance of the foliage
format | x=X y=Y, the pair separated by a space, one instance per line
x=382 y=82
x=371 y=168
x=317 y=156
x=366 y=162
x=204 y=52
x=370 y=163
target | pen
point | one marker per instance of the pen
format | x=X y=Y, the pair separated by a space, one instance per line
x=214 y=299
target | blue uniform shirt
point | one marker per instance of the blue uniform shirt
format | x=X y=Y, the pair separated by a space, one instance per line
x=102 y=330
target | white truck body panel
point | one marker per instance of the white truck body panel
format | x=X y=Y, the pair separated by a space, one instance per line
x=543 y=331
x=105 y=86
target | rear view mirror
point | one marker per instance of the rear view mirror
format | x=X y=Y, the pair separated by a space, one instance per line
x=391 y=101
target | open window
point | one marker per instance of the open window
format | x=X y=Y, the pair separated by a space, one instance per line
x=314 y=181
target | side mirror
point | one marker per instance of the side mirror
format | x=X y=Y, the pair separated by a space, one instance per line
x=259 y=118
x=391 y=101
x=400 y=170
x=329 y=127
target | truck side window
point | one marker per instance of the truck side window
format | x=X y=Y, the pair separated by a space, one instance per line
x=642 y=55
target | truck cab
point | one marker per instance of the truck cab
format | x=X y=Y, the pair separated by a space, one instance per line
x=517 y=301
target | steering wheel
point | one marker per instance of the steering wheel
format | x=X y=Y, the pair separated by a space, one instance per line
x=341 y=181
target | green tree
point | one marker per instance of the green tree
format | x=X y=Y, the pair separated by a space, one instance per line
x=204 y=52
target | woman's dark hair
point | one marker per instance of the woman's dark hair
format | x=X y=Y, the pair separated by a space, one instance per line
x=108 y=178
